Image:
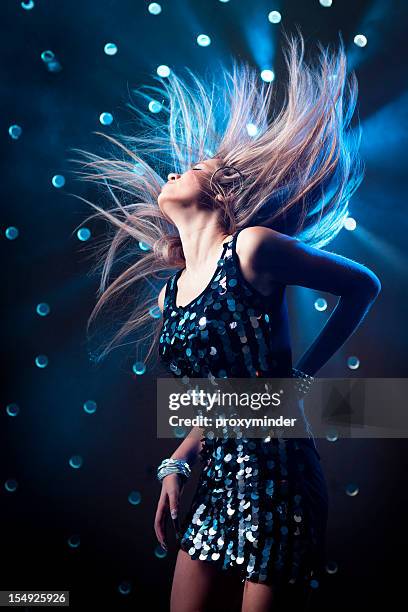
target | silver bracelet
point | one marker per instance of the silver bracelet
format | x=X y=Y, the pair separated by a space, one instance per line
x=173 y=466
x=304 y=383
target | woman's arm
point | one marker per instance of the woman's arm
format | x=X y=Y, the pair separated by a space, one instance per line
x=190 y=447
x=275 y=257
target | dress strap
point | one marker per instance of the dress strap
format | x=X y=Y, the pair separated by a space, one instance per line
x=169 y=288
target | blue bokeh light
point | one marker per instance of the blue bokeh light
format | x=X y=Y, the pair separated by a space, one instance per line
x=360 y=40
x=155 y=106
x=84 y=234
x=160 y=552
x=275 y=17
x=13 y=409
x=163 y=70
x=353 y=363
x=139 y=368
x=125 y=588
x=350 y=224
x=58 y=180
x=154 y=8
x=155 y=312
x=11 y=485
x=106 y=118
x=268 y=75
x=320 y=304
x=76 y=461
x=74 y=541
x=352 y=490
x=43 y=309
x=110 y=49
x=41 y=361
x=15 y=131
x=90 y=406
x=134 y=498
x=11 y=232
x=252 y=129
x=143 y=246
x=203 y=40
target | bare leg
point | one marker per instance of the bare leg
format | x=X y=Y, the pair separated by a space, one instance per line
x=257 y=597
x=192 y=584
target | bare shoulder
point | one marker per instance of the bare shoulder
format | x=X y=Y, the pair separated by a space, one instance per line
x=160 y=298
x=256 y=244
x=256 y=247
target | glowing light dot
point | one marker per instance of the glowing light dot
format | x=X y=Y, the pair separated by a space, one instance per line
x=224 y=0
x=134 y=498
x=314 y=584
x=28 y=5
x=332 y=567
x=163 y=70
x=50 y=61
x=155 y=312
x=11 y=233
x=139 y=367
x=144 y=246
x=74 y=541
x=110 y=49
x=124 y=588
x=203 y=40
x=252 y=129
x=352 y=490
x=75 y=461
x=274 y=17
x=41 y=361
x=15 y=131
x=267 y=75
x=154 y=8
x=42 y=309
x=160 y=552
x=179 y=432
x=332 y=435
x=320 y=304
x=13 y=410
x=350 y=224
x=11 y=485
x=360 y=40
x=90 y=407
x=83 y=234
x=326 y=3
x=47 y=56
x=58 y=181
x=353 y=363
x=155 y=106
x=106 y=118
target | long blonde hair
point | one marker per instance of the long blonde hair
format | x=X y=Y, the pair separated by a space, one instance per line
x=300 y=168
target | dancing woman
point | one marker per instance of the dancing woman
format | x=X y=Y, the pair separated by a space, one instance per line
x=253 y=201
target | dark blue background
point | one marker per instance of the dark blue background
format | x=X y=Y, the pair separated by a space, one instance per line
x=46 y=263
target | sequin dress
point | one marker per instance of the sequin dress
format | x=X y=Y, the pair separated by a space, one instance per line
x=260 y=505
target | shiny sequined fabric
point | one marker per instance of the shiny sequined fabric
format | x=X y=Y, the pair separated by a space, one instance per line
x=260 y=504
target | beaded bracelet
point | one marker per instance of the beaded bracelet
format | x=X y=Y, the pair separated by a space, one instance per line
x=304 y=383
x=173 y=466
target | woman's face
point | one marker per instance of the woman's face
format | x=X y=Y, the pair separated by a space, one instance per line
x=185 y=189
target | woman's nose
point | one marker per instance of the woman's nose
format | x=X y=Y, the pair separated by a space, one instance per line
x=172 y=176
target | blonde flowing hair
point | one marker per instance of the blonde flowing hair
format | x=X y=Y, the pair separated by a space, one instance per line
x=300 y=167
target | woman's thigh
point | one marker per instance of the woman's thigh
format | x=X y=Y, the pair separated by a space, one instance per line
x=193 y=583
x=204 y=586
